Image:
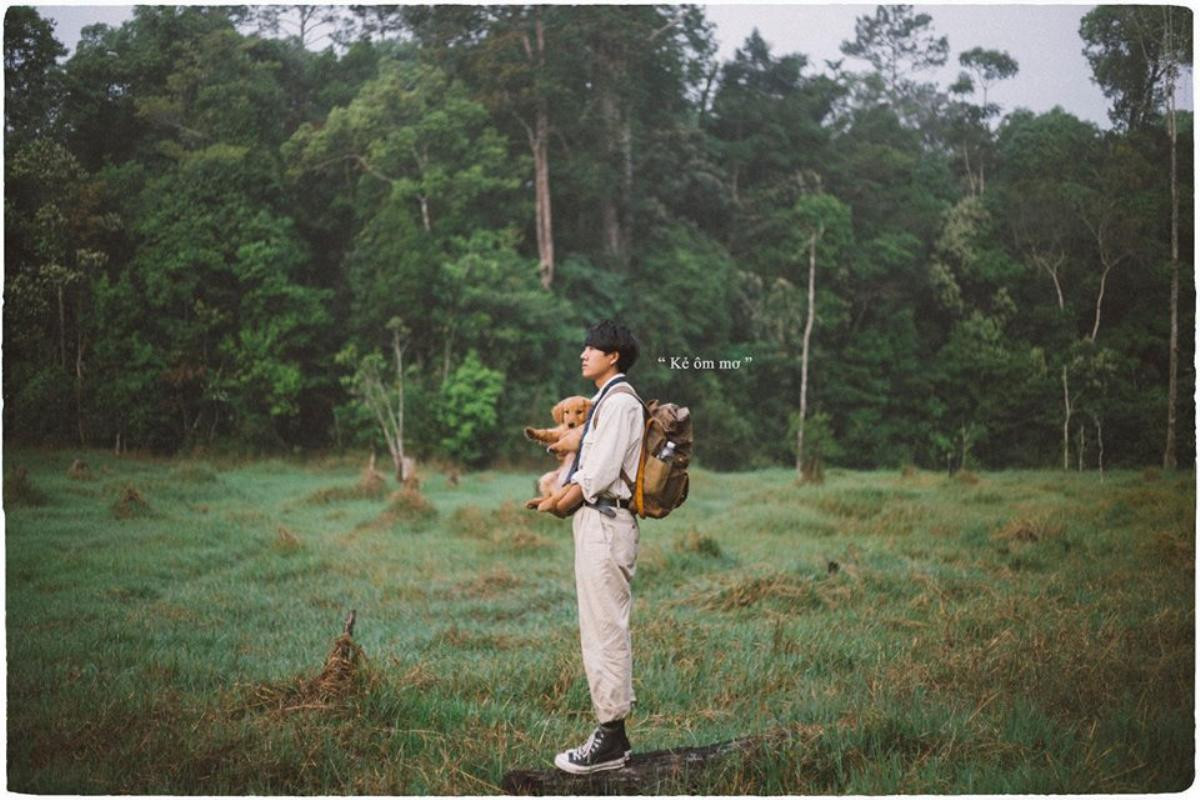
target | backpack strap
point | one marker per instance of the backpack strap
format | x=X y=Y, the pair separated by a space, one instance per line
x=622 y=388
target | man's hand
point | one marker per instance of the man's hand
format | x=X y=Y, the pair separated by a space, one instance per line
x=568 y=501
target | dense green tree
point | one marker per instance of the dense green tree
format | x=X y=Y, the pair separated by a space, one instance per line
x=969 y=130
x=424 y=165
x=513 y=57
x=898 y=43
x=467 y=412
x=56 y=247
x=766 y=120
x=32 y=77
x=1136 y=53
x=1131 y=54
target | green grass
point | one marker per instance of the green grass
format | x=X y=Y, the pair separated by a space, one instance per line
x=1030 y=633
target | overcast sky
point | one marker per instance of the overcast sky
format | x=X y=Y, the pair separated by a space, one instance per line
x=1044 y=39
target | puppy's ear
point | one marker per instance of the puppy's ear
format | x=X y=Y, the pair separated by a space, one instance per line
x=558 y=410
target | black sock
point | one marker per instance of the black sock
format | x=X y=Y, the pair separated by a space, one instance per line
x=617 y=725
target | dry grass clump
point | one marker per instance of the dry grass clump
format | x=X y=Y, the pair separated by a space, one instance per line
x=1178 y=547
x=1151 y=474
x=342 y=677
x=130 y=503
x=695 y=542
x=508 y=525
x=371 y=483
x=856 y=504
x=334 y=494
x=369 y=487
x=20 y=491
x=470 y=521
x=784 y=592
x=791 y=592
x=457 y=638
x=966 y=477
x=1149 y=498
x=406 y=506
x=908 y=470
x=409 y=503
x=1029 y=528
x=521 y=539
x=79 y=471
x=488 y=584
x=286 y=540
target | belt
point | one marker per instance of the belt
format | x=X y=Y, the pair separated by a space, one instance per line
x=605 y=505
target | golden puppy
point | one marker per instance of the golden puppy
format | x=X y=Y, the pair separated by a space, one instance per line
x=562 y=440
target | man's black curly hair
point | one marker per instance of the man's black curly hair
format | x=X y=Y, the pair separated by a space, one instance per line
x=609 y=336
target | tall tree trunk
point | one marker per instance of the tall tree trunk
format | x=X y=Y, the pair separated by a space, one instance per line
x=1066 y=420
x=1100 y=299
x=79 y=382
x=962 y=441
x=625 y=143
x=614 y=204
x=398 y=450
x=612 y=75
x=62 y=329
x=539 y=145
x=808 y=326
x=1169 y=453
x=1099 y=445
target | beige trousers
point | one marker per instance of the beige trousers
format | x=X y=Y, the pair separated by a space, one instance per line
x=605 y=560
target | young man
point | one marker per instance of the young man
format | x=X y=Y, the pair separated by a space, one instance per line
x=606 y=544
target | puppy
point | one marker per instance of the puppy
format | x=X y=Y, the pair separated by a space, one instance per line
x=569 y=413
x=563 y=441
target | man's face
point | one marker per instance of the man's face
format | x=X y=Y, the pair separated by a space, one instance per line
x=596 y=362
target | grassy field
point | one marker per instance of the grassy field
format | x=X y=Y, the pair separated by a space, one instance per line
x=1026 y=632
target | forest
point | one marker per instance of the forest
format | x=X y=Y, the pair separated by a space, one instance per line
x=221 y=237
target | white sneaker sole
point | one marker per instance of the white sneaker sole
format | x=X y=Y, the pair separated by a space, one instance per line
x=564 y=763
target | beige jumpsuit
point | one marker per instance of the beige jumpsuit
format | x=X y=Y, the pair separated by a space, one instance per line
x=606 y=554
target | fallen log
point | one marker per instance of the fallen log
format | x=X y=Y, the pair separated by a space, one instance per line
x=643 y=774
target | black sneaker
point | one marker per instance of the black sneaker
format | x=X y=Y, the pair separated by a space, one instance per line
x=604 y=749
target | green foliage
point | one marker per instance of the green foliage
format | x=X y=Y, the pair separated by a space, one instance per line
x=467 y=409
x=898 y=43
x=201 y=211
x=1129 y=49
x=32 y=78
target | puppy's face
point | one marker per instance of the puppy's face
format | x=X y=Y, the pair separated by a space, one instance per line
x=574 y=411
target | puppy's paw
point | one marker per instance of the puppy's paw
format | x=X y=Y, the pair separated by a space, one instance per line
x=534 y=503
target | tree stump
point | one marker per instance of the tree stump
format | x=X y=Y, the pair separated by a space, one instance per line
x=643 y=774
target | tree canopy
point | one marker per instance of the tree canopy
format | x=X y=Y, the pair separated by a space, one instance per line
x=212 y=225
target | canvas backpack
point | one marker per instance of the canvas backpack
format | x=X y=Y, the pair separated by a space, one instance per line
x=661 y=485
